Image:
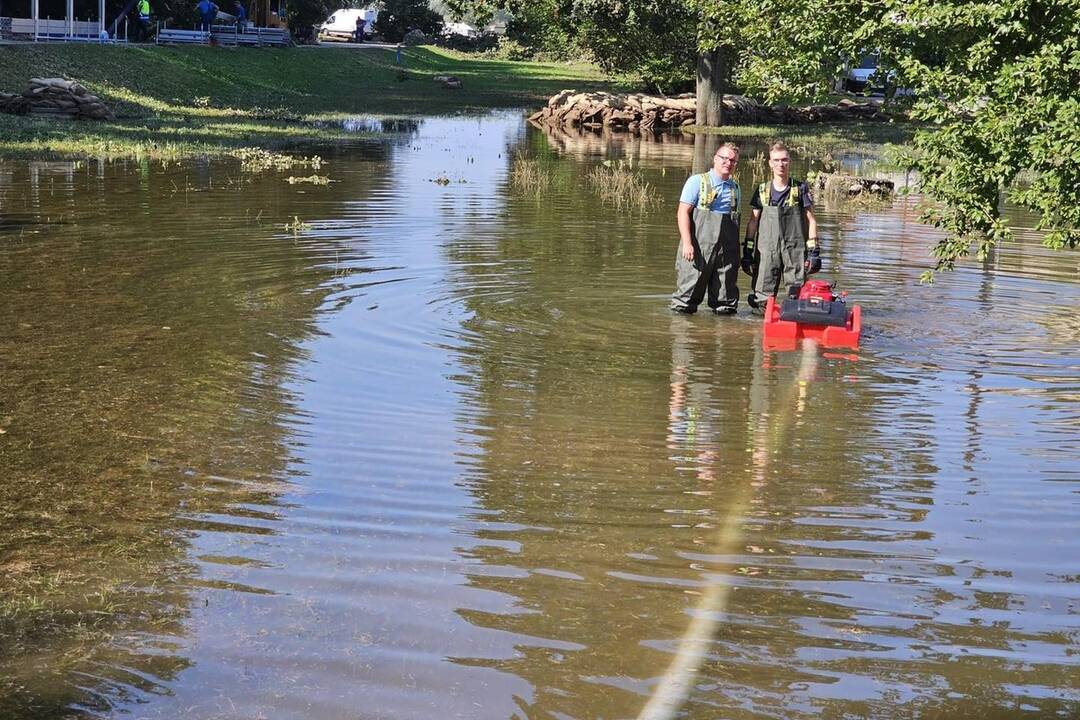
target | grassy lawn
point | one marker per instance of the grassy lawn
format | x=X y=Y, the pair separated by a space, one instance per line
x=176 y=101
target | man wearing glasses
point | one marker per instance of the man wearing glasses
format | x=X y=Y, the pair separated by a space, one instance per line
x=708 y=218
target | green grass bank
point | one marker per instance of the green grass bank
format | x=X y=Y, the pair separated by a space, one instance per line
x=172 y=102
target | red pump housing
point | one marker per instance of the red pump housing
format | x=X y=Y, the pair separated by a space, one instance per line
x=812 y=311
x=820 y=289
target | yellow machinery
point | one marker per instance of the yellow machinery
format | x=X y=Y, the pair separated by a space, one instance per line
x=269 y=13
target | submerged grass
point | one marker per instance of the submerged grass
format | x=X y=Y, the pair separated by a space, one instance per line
x=873 y=139
x=157 y=138
x=842 y=134
x=622 y=186
x=529 y=175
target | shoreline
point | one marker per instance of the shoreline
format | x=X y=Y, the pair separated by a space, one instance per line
x=177 y=102
x=173 y=103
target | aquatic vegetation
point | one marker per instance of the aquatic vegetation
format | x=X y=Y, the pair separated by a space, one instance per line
x=619 y=184
x=259 y=160
x=309 y=180
x=297 y=226
x=529 y=175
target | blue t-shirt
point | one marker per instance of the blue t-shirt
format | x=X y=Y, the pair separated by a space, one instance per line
x=725 y=193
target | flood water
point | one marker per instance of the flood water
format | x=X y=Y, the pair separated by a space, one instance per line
x=441 y=451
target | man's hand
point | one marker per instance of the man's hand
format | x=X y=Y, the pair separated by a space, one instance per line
x=748 y=256
x=687 y=249
x=813 y=261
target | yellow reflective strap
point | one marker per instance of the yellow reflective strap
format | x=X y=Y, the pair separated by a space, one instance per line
x=706 y=195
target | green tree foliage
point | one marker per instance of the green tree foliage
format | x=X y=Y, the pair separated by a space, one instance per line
x=1001 y=81
x=995 y=80
x=648 y=38
x=304 y=15
x=398 y=17
x=541 y=25
x=997 y=83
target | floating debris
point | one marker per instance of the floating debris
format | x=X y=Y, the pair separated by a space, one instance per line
x=840 y=186
x=259 y=160
x=310 y=180
x=296 y=226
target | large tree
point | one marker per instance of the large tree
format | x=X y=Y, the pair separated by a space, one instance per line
x=994 y=81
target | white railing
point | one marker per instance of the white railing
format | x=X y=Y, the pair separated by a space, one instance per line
x=49 y=28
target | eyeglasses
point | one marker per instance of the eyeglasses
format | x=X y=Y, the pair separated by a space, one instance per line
x=729 y=158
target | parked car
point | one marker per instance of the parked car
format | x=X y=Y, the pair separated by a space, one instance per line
x=857 y=78
x=461 y=29
x=341 y=26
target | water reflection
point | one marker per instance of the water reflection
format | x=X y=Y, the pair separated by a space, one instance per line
x=142 y=401
x=442 y=452
x=385 y=126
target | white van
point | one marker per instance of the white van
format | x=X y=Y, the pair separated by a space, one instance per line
x=342 y=24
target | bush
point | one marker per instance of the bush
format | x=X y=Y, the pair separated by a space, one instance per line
x=483 y=43
x=509 y=49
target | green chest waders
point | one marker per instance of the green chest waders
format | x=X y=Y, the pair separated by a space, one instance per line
x=715 y=269
x=781 y=244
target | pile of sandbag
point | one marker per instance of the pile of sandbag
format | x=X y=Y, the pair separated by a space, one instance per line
x=639 y=112
x=55 y=96
x=632 y=111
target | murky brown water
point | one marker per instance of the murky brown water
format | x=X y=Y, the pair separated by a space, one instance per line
x=444 y=452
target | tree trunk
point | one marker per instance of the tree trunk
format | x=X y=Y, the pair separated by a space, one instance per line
x=710 y=89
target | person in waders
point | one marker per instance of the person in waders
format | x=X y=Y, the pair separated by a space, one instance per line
x=707 y=262
x=781 y=243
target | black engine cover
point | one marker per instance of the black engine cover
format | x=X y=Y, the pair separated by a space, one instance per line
x=814 y=312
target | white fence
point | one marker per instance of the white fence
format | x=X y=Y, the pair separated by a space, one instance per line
x=51 y=28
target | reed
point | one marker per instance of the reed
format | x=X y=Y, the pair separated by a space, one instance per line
x=622 y=186
x=528 y=175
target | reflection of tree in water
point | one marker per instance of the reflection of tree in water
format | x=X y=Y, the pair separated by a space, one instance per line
x=405 y=127
x=145 y=342
x=655 y=149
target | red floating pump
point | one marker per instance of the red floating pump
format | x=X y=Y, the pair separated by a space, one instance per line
x=812 y=311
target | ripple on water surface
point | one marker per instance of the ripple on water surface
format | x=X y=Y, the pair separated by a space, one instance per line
x=440 y=451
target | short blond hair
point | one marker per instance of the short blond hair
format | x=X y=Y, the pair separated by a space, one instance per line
x=730 y=146
x=779 y=147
